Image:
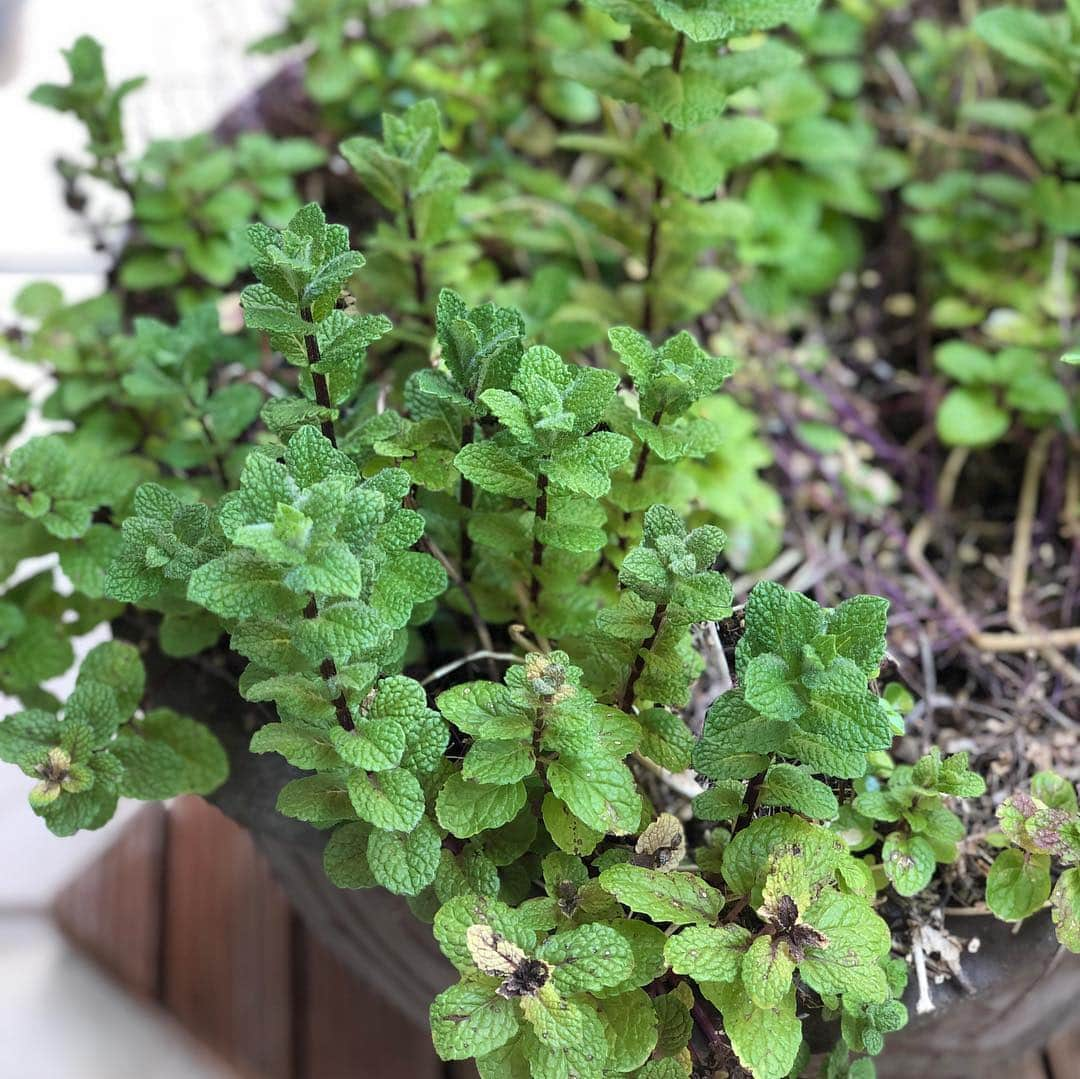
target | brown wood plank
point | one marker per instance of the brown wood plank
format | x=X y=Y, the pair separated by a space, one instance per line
x=226 y=969
x=112 y=910
x=1063 y=1054
x=348 y=1031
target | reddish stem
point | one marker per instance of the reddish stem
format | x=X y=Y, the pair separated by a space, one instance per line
x=318 y=380
x=626 y=700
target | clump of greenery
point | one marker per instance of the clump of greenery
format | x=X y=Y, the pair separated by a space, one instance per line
x=463 y=549
x=306 y=540
x=188 y=195
x=1042 y=832
x=105 y=748
x=995 y=208
x=97 y=106
x=410 y=176
x=309 y=563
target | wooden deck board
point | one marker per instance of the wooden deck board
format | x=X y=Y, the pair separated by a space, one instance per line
x=184 y=911
x=112 y=911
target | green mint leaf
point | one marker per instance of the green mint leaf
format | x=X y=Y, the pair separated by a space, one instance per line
x=566 y=830
x=778 y=622
x=631 y=1027
x=466 y=808
x=241 y=585
x=586 y=959
x=698 y=21
x=405 y=863
x=485 y=710
x=307 y=747
x=598 y=790
x=957 y=779
x=666 y=739
x=115 y=665
x=837 y=731
x=586 y=466
x=345 y=856
x=319 y=799
x=787 y=785
x=769 y=688
x=498 y=761
x=734 y=728
x=857 y=940
x=1049 y=788
x=1065 y=909
x=497 y=470
x=392 y=800
x=747 y=858
x=409 y=578
x=1018 y=884
x=470 y=1020
x=766 y=1040
x=374 y=745
x=197 y=762
x=94 y=705
x=858 y=625
x=569 y=1037
x=674 y=1022
x=767 y=969
x=678 y=898
x=908 y=862
x=722 y=801
x=708 y=954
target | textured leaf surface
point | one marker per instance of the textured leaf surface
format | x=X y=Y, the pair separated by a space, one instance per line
x=909 y=862
x=405 y=862
x=393 y=800
x=857 y=941
x=599 y=791
x=588 y=958
x=767 y=968
x=466 y=808
x=1018 y=884
x=678 y=898
x=468 y=1020
x=766 y=1040
x=708 y=954
x=631 y=1026
x=1065 y=909
x=570 y=1037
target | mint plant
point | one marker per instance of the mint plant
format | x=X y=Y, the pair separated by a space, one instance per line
x=468 y=551
x=1042 y=834
x=1005 y=304
x=707 y=113
x=991 y=389
x=103 y=747
x=306 y=548
x=190 y=197
x=412 y=178
x=98 y=107
x=914 y=799
x=187 y=195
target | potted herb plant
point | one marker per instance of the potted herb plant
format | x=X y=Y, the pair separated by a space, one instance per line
x=435 y=604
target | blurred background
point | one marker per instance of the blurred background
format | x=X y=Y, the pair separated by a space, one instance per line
x=195 y=52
